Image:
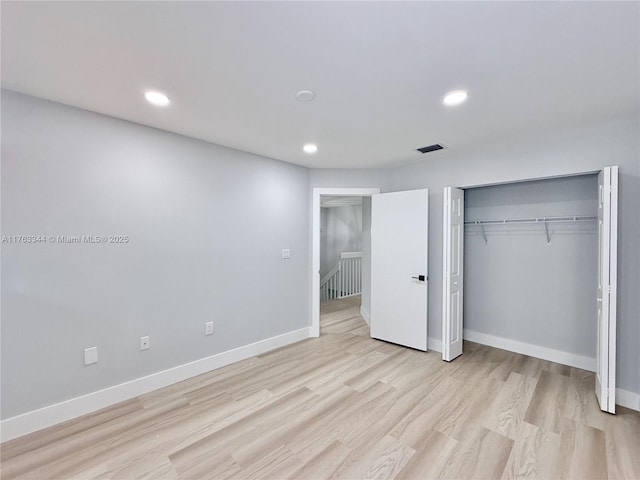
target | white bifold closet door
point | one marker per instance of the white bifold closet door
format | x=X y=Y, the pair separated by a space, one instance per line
x=399 y=235
x=607 y=286
x=453 y=268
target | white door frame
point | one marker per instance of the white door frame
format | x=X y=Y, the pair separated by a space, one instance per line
x=575 y=173
x=315 y=244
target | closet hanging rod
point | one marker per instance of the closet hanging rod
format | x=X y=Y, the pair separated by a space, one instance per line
x=575 y=218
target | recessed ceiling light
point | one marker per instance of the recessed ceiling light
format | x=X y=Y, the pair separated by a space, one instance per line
x=157 y=98
x=455 y=98
x=310 y=148
x=305 y=95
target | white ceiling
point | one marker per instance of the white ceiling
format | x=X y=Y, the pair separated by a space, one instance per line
x=379 y=70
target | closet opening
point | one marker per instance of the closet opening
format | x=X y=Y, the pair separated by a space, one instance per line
x=530 y=267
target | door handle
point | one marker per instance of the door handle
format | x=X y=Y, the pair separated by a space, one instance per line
x=420 y=278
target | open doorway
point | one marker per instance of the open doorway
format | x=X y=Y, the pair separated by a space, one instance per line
x=341 y=233
x=341 y=265
x=343 y=274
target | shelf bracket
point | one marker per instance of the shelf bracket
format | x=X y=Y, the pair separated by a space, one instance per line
x=546 y=229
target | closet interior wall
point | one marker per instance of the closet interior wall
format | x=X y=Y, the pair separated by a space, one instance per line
x=525 y=283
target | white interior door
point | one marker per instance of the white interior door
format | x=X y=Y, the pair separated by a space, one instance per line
x=453 y=268
x=607 y=286
x=399 y=228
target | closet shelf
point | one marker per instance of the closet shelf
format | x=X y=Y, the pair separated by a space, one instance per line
x=527 y=221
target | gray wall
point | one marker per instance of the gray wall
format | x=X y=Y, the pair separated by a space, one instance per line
x=349 y=177
x=341 y=231
x=206 y=226
x=516 y=284
x=585 y=148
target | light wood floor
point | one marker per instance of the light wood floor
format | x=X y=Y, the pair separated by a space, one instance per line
x=346 y=406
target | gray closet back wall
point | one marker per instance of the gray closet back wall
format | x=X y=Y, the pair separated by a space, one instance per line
x=520 y=287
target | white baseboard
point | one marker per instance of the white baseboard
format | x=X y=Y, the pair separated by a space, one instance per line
x=364 y=314
x=628 y=399
x=434 y=344
x=558 y=356
x=45 y=417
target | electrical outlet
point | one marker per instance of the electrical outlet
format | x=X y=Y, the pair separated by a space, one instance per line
x=144 y=343
x=208 y=328
x=90 y=355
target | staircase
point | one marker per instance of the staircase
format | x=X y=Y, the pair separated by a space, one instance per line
x=343 y=280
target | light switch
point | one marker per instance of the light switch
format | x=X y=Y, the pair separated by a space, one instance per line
x=90 y=355
x=286 y=253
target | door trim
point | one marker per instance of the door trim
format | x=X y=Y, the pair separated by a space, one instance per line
x=576 y=173
x=315 y=243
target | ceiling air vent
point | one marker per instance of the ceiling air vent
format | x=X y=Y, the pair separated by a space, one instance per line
x=430 y=148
